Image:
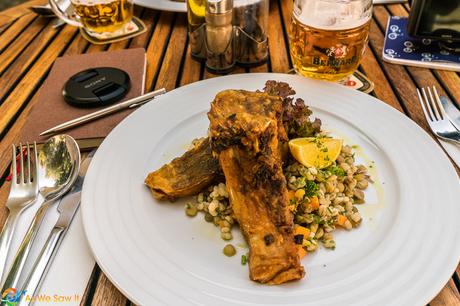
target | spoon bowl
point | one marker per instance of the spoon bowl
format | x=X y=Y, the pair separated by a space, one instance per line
x=59 y=161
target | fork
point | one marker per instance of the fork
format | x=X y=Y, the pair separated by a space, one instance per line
x=23 y=194
x=436 y=116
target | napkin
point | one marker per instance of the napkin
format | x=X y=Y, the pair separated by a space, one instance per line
x=72 y=266
x=51 y=109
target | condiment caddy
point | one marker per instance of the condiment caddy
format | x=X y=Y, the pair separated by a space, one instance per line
x=225 y=33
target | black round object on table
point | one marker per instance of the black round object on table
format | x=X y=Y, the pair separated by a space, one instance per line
x=96 y=87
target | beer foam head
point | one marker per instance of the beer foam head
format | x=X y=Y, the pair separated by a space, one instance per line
x=333 y=14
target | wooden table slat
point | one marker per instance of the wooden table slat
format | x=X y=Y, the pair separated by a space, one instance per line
x=279 y=57
x=156 y=46
x=22 y=91
x=21 y=65
x=192 y=69
x=149 y=17
x=383 y=88
x=18 y=46
x=168 y=75
x=107 y=294
x=16 y=28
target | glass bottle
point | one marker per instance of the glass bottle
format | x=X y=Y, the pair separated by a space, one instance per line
x=196 y=28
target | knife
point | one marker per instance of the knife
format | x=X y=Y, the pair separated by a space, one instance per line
x=453 y=113
x=67 y=209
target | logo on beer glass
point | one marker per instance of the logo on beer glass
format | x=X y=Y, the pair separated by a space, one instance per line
x=338 y=51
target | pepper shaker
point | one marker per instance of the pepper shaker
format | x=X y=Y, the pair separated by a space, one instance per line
x=219 y=36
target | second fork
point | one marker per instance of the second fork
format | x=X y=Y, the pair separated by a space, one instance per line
x=436 y=117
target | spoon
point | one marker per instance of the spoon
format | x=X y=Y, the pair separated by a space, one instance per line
x=58 y=167
x=47 y=11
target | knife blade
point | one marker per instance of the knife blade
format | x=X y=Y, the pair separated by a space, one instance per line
x=452 y=112
x=70 y=202
x=67 y=209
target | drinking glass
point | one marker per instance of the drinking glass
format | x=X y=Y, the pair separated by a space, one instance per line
x=96 y=15
x=328 y=38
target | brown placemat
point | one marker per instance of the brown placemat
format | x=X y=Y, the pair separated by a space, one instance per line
x=51 y=109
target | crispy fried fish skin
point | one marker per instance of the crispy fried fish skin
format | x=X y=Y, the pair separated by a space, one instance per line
x=259 y=205
x=185 y=175
x=246 y=130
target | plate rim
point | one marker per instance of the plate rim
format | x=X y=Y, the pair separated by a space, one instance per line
x=163 y=5
x=434 y=289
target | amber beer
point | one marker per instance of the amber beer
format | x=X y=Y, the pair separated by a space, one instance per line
x=103 y=16
x=327 y=52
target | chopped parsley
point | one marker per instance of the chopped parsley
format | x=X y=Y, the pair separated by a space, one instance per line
x=311 y=189
x=244 y=260
x=337 y=171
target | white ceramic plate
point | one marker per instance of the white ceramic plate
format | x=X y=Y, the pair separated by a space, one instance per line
x=402 y=254
x=169 y=5
x=163 y=5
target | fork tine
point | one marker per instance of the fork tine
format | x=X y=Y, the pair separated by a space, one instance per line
x=433 y=105
x=35 y=163
x=439 y=104
x=428 y=105
x=13 y=165
x=29 y=179
x=21 y=163
x=423 y=106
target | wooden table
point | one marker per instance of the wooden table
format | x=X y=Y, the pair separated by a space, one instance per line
x=29 y=45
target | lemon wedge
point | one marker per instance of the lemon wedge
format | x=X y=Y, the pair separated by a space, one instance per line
x=198 y=7
x=319 y=152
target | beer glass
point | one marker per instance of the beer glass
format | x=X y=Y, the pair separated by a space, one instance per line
x=327 y=38
x=96 y=15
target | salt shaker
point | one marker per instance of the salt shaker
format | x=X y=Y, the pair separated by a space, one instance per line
x=250 y=17
x=219 y=36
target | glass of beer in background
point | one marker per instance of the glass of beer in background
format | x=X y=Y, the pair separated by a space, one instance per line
x=97 y=15
x=327 y=38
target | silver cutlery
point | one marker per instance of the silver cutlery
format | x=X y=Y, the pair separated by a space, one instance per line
x=134 y=102
x=58 y=167
x=436 y=116
x=23 y=194
x=46 y=10
x=67 y=209
x=43 y=10
x=452 y=112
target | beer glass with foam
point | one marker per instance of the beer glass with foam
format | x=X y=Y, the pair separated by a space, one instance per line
x=327 y=38
x=96 y=15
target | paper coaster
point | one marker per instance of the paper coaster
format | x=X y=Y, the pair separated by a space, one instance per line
x=401 y=48
x=356 y=81
x=131 y=29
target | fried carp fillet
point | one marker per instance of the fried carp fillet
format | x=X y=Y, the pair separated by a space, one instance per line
x=185 y=175
x=245 y=131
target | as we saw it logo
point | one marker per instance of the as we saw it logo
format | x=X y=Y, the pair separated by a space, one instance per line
x=11 y=296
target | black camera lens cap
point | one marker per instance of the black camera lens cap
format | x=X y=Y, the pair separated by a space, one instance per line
x=96 y=87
